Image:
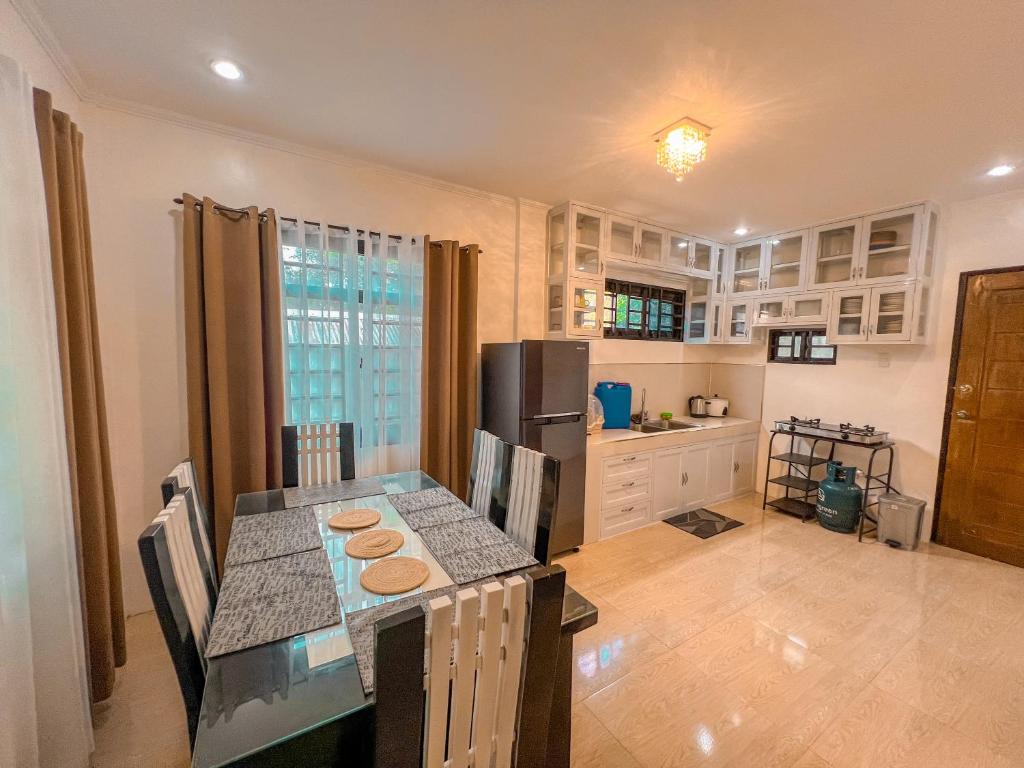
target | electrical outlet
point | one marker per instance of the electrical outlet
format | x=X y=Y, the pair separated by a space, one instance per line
x=883 y=359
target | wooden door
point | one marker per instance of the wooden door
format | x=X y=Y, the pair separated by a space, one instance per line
x=982 y=499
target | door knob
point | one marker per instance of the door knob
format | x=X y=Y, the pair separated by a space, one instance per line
x=965 y=389
x=962 y=414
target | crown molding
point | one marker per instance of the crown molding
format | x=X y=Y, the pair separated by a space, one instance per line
x=38 y=26
x=48 y=41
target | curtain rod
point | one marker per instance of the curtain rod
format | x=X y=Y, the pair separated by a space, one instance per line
x=218 y=207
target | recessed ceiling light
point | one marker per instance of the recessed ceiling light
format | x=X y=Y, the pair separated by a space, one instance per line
x=741 y=231
x=1001 y=170
x=227 y=69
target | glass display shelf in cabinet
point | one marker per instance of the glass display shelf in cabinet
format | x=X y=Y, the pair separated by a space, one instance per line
x=588 y=230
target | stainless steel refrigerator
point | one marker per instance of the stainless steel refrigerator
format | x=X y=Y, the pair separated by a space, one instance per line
x=534 y=394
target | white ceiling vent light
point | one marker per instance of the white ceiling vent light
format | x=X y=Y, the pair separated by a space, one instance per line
x=1000 y=170
x=226 y=69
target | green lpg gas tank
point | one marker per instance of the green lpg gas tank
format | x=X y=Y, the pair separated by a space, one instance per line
x=839 y=498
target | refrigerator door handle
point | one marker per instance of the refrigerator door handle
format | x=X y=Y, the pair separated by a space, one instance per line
x=556 y=418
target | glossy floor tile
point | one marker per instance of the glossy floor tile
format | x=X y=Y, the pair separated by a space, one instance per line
x=774 y=645
x=792 y=646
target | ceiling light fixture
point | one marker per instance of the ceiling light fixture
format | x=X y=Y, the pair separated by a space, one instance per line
x=681 y=146
x=741 y=231
x=1000 y=170
x=226 y=69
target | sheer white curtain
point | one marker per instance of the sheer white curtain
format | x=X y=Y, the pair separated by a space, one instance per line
x=44 y=705
x=353 y=315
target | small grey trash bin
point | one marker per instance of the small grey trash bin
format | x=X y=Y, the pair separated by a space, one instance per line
x=899 y=519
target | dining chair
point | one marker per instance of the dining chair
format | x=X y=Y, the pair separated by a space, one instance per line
x=181 y=477
x=489 y=473
x=486 y=697
x=317 y=454
x=181 y=596
x=532 y=500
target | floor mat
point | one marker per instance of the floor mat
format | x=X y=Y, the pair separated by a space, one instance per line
x=703 y=523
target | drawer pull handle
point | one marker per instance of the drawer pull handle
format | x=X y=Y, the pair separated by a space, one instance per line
x=630 y=484
x=630 y=458
x=627 y=509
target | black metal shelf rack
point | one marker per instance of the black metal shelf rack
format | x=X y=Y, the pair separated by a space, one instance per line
x=802 y=489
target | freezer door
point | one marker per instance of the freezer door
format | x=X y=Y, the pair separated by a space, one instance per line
x=554 y=378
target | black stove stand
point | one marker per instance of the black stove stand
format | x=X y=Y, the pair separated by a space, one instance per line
x=800 y=486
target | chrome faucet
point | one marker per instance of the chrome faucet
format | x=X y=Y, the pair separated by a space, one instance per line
x=643 y=405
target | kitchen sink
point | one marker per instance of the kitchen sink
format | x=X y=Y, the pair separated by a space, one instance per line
x=662 y=425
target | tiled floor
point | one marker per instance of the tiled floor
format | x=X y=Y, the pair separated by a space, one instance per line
x=774 y=644
x=782 y=644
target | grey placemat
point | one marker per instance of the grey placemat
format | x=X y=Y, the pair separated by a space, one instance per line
x=272 y=599
x=360 y=626
x=413 y=501
x=474 y=564
x=272 y=534
x=449 y=539
x=446 y=513
x=321 y=494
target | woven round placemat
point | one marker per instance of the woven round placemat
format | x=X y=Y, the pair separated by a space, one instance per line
x=394 y=575
x=370 y=545
x=354 y=518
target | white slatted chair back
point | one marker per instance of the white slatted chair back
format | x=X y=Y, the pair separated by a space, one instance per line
x=524 y=496
x=483 y=471
x=319 y=454
x=188 y=574
x=476 y=648
x=185 y=474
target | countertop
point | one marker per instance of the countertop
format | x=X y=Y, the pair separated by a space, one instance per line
x=707 y=424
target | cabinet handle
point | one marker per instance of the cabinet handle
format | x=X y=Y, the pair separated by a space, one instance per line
x=735 y=466
x=630 y=484
x=862 y=330
x=629 y=458
x=627 y=509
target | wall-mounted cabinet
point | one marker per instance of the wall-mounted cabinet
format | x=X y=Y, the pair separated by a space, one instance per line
x=784 y=257
x=577 y=242
x=745 y=268
x=794 y=309
x=738 y=321
x=880 y=315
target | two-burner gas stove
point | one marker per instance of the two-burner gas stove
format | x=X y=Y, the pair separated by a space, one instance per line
x=841 y=433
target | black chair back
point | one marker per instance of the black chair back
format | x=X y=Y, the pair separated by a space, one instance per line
x=181 y=477
x=489 y=475
x=179 y=588
x=316 y=454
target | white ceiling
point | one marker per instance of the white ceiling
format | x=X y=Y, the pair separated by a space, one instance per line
x=819 y=108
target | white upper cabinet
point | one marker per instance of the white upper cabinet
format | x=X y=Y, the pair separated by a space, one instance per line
x=879 y=315
x=575 y=284
x=652 y=246
x=622 y=238
x=890 y=246
x=703 y=254
x=833 y=254
x=677 y=257
x=586 y=242
x=719 y=280
x=738 y=321
x=784 y=258
x=794 y=309
x=745 y=268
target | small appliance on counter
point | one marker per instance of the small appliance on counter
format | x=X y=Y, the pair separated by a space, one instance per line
x=717 y=406
x=617 y=398
x=698 y=407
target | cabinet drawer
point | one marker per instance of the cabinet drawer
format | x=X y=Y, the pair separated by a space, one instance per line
x=625 y=492
x=624 y=518
x=621 y=468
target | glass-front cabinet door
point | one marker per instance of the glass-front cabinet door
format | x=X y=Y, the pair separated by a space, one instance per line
x=745 y=275
x=848 y=316
x=784 y=261
x=834 y=253
x=702 y=260
x=556 y=308
x=716 y=330
x=652 y=242
x=805 y=308
x=587 y=242
x=586 y=303
x=737 y=316
x=718 y=279
x=622 y=238
x=891 y=314
x=770 y=311
x=556 y=245
x=678 y=255
x=887 y=248
x=697 y=321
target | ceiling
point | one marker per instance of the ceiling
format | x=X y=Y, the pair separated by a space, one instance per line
x=818 y=109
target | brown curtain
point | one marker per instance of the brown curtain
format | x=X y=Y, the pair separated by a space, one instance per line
x=449 y=396
x=85 y=416
x=233 y=350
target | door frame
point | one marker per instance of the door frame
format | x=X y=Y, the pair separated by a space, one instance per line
x=954 y=363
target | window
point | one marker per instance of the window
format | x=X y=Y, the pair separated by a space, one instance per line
x=353 y=303
x=638 y=311
x=806 y=346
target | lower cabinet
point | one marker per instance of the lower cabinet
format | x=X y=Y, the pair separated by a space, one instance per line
x=640 y=488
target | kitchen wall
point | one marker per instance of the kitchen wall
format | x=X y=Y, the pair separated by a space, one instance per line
x=137 y=163
x=901 y=389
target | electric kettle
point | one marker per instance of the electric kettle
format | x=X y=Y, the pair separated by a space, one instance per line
x=698 y=406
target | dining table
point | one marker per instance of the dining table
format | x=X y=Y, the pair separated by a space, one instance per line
x=299 y=700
